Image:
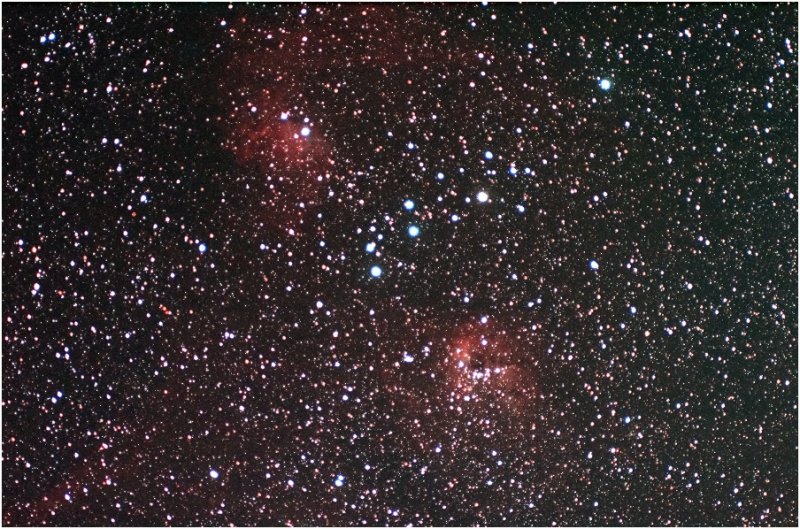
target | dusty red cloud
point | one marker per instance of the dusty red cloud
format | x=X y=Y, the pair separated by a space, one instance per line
x=272 y=77
x=287 y=151
x=484 y=362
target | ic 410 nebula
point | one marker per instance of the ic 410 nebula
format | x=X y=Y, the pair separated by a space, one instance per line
x=388 y=265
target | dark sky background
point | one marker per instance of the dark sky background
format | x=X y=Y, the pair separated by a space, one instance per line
x=388 y=265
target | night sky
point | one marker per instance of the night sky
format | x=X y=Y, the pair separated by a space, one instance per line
x=399 y=265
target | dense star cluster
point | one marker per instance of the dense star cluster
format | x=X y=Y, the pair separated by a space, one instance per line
x=362 y=264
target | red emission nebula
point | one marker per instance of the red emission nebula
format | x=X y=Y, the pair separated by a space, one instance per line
x=486 y=364
x=485 y=368
x=273 y=124
x=281 y=145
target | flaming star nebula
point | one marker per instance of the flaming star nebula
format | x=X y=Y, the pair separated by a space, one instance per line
x=399 y=265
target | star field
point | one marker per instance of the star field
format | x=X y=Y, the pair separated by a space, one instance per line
x=368 y=265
